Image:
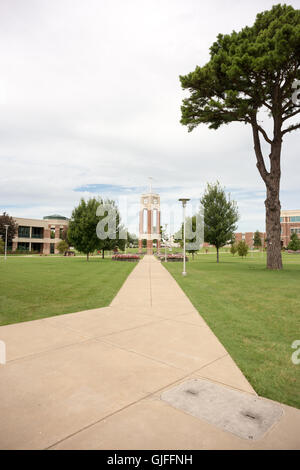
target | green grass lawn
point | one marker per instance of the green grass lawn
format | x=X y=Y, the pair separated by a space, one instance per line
x=255 y=313
x=38 y=287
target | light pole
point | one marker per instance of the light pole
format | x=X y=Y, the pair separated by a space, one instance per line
x=184 y=201
x=6 y=228
x=166 y=225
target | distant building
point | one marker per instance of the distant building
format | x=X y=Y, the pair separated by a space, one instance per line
x=149 y=221
x=39 y=235
x=290 y=222
x=248 y=238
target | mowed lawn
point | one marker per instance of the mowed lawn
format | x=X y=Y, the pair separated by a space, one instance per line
x=255 y=313
x=38 y=287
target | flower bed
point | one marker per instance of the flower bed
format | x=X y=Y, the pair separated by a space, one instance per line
x=129 y=257
x=173 y=257
x=294 y=252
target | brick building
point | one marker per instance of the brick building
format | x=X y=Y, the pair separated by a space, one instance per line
x=248 y=238
x=39 y=235
x=290 y=222
x=149 y=221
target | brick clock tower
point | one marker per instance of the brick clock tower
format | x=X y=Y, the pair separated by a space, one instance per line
x=149 y=221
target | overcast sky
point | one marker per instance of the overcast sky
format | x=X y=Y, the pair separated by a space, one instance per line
x=90 y=105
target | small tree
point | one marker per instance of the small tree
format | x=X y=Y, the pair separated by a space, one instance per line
x=242 y=248
x=62 y=247
x=82 y=227
x=220 y=216
x=132 y=240
x=257 y=240
x=233 y=249
x=113 y=240
x=5 y=219
x=294 y=242
x=84 y=223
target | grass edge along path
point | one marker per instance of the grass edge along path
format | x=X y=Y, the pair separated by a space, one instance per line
x=40 y=287
x=255 y=313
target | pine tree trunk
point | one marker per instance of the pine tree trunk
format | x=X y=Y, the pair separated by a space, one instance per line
x=272 y=203
x=272 y=182
x=217 y=254
x=87 y=256
x=102 y=254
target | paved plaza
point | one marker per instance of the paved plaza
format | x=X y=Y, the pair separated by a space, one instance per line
x=94 y=379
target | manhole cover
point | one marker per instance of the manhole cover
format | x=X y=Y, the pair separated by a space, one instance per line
x=242 y=414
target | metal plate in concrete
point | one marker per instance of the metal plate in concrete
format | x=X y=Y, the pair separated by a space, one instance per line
x=240 y=413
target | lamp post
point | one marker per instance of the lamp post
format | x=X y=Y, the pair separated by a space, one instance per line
x=166 y=225
x=6 y=228
x=183 y=201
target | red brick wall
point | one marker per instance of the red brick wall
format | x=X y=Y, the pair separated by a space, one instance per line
x=248 y=237
x=286 y=230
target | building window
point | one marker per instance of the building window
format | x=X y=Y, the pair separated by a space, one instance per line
x=295 y=230
x=281 y=219
x=52 y=248
x=23 y=232
x=37 y=232
x=145 y=201
x=295 y=218
x=23 y=246
x=61 y=232
x=52 y=232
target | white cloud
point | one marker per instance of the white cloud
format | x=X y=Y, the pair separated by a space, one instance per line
x=90 y=94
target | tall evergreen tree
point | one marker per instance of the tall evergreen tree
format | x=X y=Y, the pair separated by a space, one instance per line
x=255 y=70
x=220 y=216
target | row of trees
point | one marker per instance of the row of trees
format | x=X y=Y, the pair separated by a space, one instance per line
x=220 y=223
x=82 y=232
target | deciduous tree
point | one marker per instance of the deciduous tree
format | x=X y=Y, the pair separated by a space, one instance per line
x=5 y=219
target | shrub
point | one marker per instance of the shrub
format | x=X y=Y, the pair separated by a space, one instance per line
x=242 y=248
x=62 y=246
x=123 y=257
x=294 y=244
x=233 y=249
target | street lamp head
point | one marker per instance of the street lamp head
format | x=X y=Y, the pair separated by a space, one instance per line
x=184 y=201
x=6 y=226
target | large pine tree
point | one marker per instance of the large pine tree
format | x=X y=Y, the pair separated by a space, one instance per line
x=250 y=71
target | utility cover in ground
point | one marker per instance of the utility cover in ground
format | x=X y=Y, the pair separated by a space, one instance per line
x=240 y=413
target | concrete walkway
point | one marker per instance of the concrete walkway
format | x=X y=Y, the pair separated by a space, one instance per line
x=93 y=379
